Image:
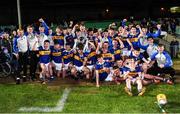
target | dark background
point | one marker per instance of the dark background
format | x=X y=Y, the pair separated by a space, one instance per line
x=58 y=10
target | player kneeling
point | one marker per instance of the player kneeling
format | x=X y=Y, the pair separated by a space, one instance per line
x=118 y=72
x=101 y=70
x=133 y=75
x=80 y=70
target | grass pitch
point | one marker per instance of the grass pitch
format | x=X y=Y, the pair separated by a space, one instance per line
x=88 y=99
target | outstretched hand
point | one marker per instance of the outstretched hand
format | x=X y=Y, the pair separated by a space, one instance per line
x=159 y=26
x=41 y=20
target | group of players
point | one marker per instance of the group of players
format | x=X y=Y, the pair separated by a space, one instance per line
x=126 y=54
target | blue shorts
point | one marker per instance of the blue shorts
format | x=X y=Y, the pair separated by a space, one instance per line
x=103 y=76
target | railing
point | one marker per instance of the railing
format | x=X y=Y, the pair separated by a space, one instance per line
x=178 y=30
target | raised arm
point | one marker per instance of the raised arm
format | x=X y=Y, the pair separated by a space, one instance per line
x=123 y=22
x=141 y=46
x=121 y=43
x=46 y=30
x=157 y=33
x=132 y=48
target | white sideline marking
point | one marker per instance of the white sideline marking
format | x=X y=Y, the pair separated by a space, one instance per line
x=59 y=107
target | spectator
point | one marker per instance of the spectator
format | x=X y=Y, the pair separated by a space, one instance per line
x=174 y=48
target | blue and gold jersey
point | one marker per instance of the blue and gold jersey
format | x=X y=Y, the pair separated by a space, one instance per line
x=100 y=68
x=67 y=56
x=136 y=59
x=133 y=73
x=78 y=59
x=56 y=55
x=117 y=54
x=91 y=57
x=59 y=38
x=107 y=56
x=44 y=55
x=134 y=40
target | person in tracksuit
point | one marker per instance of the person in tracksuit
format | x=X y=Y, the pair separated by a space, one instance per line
x=22 y=45
x=164 y=62
x=33 y=51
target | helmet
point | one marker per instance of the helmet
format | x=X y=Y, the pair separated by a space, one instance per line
x=161 y=99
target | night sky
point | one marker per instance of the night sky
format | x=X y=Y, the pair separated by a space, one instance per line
x=55 y=10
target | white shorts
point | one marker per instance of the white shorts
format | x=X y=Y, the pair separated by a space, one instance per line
x=57 y=65
x=90 y=67
x=47 y=66
x=66 y=66
x=109 y=77
x=79 y=68
x=133 y=80
x=125 y=52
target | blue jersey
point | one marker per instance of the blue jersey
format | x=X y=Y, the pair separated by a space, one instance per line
x=67 y=56
x=136 y=59
x=79 y=59
x=150 y=49
x=133 y=73
x=121 y=70
x=107 y=56
x=99 y=67
x=154 y=35
x=110 y=42
x=117 y=53
x=91 y=57
x=162 y=59
x=44 y=55
x=134 y=40
x=123 y=23
x=46 y=28
x=59 y=38
x=56 y=55
x=15 y=47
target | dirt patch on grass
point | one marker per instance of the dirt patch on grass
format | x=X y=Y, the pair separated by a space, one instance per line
x=68 y=82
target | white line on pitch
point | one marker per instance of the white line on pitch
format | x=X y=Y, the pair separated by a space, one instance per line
x=59 y=107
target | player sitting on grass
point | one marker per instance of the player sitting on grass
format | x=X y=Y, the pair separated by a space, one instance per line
x=44 y=58
x=133 y=75
x=164 y=63
x=149 y=78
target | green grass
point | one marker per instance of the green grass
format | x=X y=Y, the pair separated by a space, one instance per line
x=12 y=97
x=106 y=99
x=102 y=24
x=112 y=99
